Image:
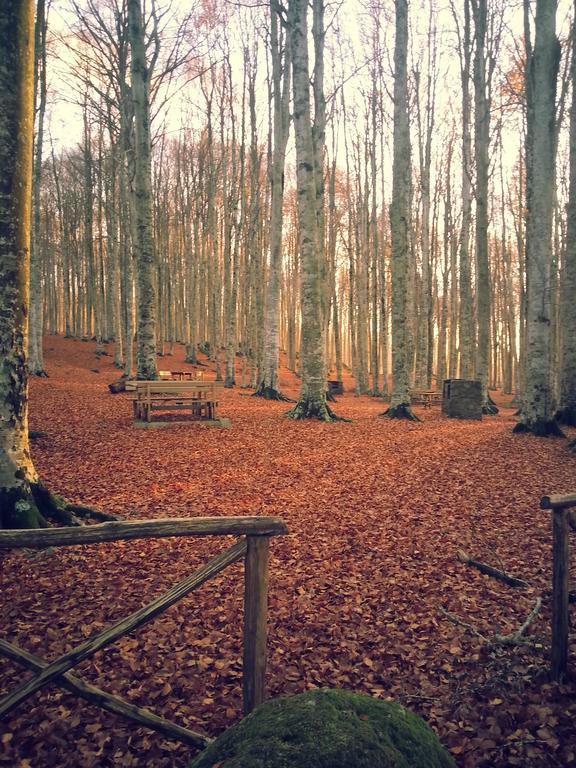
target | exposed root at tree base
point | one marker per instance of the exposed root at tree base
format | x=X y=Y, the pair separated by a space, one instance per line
x=539 y=428
x=32 y=505
x=402 y=411
x=489 y=407
x=269 y=393
x=566 y=416
x=40 y=374
x=330 y=398
x=309 y=409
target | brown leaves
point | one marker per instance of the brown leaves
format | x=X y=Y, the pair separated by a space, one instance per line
x=376 y=511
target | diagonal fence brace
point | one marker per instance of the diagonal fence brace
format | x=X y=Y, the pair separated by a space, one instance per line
x=123 y=626
x=106 y=701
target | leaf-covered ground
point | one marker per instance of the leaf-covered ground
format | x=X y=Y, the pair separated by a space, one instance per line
x=359 y=590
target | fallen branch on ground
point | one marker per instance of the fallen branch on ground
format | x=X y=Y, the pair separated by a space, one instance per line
x=512 y=581
x=517 y=638
x=514 y=638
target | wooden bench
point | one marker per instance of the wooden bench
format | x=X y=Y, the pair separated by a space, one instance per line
x=199 y=397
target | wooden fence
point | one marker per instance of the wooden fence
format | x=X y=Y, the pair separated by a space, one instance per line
x=253 y=548
x=561 y=523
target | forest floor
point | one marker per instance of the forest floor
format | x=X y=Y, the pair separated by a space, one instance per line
x=360 y=589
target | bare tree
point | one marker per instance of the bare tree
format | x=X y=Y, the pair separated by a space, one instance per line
x=400 y=223
x=309 y=158
x=567 y=412
x=537 y=415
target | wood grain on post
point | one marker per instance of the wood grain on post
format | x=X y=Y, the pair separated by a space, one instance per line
x=255 y=619
x=558 y=502
x=143 y=529
x=560 y=592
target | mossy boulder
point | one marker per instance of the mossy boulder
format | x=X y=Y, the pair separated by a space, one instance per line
x=327 y=729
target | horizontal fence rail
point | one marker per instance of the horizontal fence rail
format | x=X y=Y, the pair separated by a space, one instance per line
x=143 y=529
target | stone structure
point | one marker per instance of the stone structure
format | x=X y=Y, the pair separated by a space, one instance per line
x=462 y=399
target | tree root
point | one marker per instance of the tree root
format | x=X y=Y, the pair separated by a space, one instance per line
x=313 y=409
x=330 y=398
x=566 y=416
x=402 y=411
x=270 y=393
x=32 y=505
x=539 y=428
x=40 y=374
x=488 y=570
x=489 y=408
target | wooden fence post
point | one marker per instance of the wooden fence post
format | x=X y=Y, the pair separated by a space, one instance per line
x=560 y=593
x=255 y=618
x=560 y=506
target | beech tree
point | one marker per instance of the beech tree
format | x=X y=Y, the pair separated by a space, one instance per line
x=24 y=501
x=146 y=332
x=537 y=413
x=567 y=411
x=312 y=399
x=280 y=53
x=400 y=223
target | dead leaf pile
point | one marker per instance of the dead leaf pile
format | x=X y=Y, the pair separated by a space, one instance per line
x=359 y=590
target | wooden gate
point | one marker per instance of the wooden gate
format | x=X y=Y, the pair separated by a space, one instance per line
x=253 y=548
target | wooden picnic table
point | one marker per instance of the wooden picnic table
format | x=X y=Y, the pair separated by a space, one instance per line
x=427 y=399
x=199 y=397
x=180 y=375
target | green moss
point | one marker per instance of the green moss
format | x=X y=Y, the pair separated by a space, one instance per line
x=327 y=729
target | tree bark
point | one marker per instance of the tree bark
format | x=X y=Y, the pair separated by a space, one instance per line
x=567 y=413
x=312 y=399
x=144 y=245
x=17 y=473
x=400 y=222
x=538 y=408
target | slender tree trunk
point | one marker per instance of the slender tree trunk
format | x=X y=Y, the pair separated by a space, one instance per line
x=567 y=413
x=35 y=352
x=268 y=386
x=144 y=246
x=467 y=334
x=481 y=146
x=312 y=399
x=400 y=222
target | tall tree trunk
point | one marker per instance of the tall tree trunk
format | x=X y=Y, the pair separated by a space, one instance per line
x=400 y=222
x=467 y=334
x=35 y=352
x=312 y=399
x=268 y=386
x=481 y=145
x=144 y=246
x=567 y=413
x=537 y=414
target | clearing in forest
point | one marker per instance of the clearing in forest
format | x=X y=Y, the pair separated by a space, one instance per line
x=366 y=591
